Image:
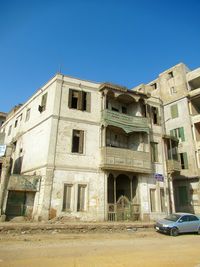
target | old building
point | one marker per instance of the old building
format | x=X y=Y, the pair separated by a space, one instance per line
x=179 y=90
x=90 y=151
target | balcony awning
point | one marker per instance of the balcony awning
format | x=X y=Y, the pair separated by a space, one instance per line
x=24 y=183
x=127 y=128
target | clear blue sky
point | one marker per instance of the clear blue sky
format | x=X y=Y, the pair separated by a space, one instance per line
x=124 y=42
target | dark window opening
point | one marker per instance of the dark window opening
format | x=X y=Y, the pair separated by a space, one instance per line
x=154 y=112
x=170 y=75
x=184 y=160
x=124 y=110
x=77 y=141
x=115 y=109
x=79 y=100
x=154 y=86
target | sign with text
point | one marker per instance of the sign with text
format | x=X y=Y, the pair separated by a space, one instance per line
x=159 y=177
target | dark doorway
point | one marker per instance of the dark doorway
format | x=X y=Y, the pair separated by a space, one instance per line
x=123 y=187
x=19 y=203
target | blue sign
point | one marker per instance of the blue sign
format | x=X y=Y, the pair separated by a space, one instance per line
x=159 y=177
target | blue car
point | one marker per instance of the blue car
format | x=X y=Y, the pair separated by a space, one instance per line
x=177 y=223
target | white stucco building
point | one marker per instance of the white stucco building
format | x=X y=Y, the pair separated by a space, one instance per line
x=91 y=151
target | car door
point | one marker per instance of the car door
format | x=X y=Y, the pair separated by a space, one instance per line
x=194 y=223
x=183 y=224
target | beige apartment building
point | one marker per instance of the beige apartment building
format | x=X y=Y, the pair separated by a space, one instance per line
x=179 y=90
x=98 y=151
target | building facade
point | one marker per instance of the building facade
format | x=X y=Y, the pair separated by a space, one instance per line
x=179 y=90
x=98 y=151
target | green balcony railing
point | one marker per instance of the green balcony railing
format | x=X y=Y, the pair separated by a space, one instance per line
x=127 y=122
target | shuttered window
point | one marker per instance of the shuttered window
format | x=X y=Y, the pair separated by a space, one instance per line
x=79 y=100
x=77 y=141
x=178 y=133
x=174 y=111
x=81 y=201
x=67 y=197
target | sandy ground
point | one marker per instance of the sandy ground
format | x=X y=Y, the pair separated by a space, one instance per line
x=141 y=248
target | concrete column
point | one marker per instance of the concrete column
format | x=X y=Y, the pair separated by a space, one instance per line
x=171 y=194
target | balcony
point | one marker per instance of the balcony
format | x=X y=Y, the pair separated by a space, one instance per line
x=173 y=165
x=113 y=158
x=126 y=122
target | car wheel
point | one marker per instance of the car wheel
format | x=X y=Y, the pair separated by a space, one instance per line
x=174 y=231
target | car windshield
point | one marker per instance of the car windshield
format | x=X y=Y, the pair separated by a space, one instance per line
x=173 y=217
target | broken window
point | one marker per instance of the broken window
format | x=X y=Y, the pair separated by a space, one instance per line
x=79 y=100
x=28 y=114
x=77 y=141
x=81 y=202
x=184 y=160
x=42 y=107
x=154 y=152
x=153 y=199
x=67 y=197
x=178 y=133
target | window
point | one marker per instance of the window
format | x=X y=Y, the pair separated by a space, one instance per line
x=81 y=205
x=67 y=197
x=154 y=86
x=28 y=114
x=178 y=133
x=170 y=75
x=172 y=90
x=9 y=130
x=124 y=110
x=16 y=122
x=115 y=109
x=154 y=152
x=153 y=199
x=42 y=107
x=193 y=218
x=162 y=200
x=77 y=141
x=155 y=117
x=79 y=100
x=184 y=160
x=174 y=111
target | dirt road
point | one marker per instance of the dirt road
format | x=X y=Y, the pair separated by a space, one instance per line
x=141 y=248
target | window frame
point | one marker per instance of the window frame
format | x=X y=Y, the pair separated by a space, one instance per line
x=81 y=205
x=64 y=202
x=81 y=141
